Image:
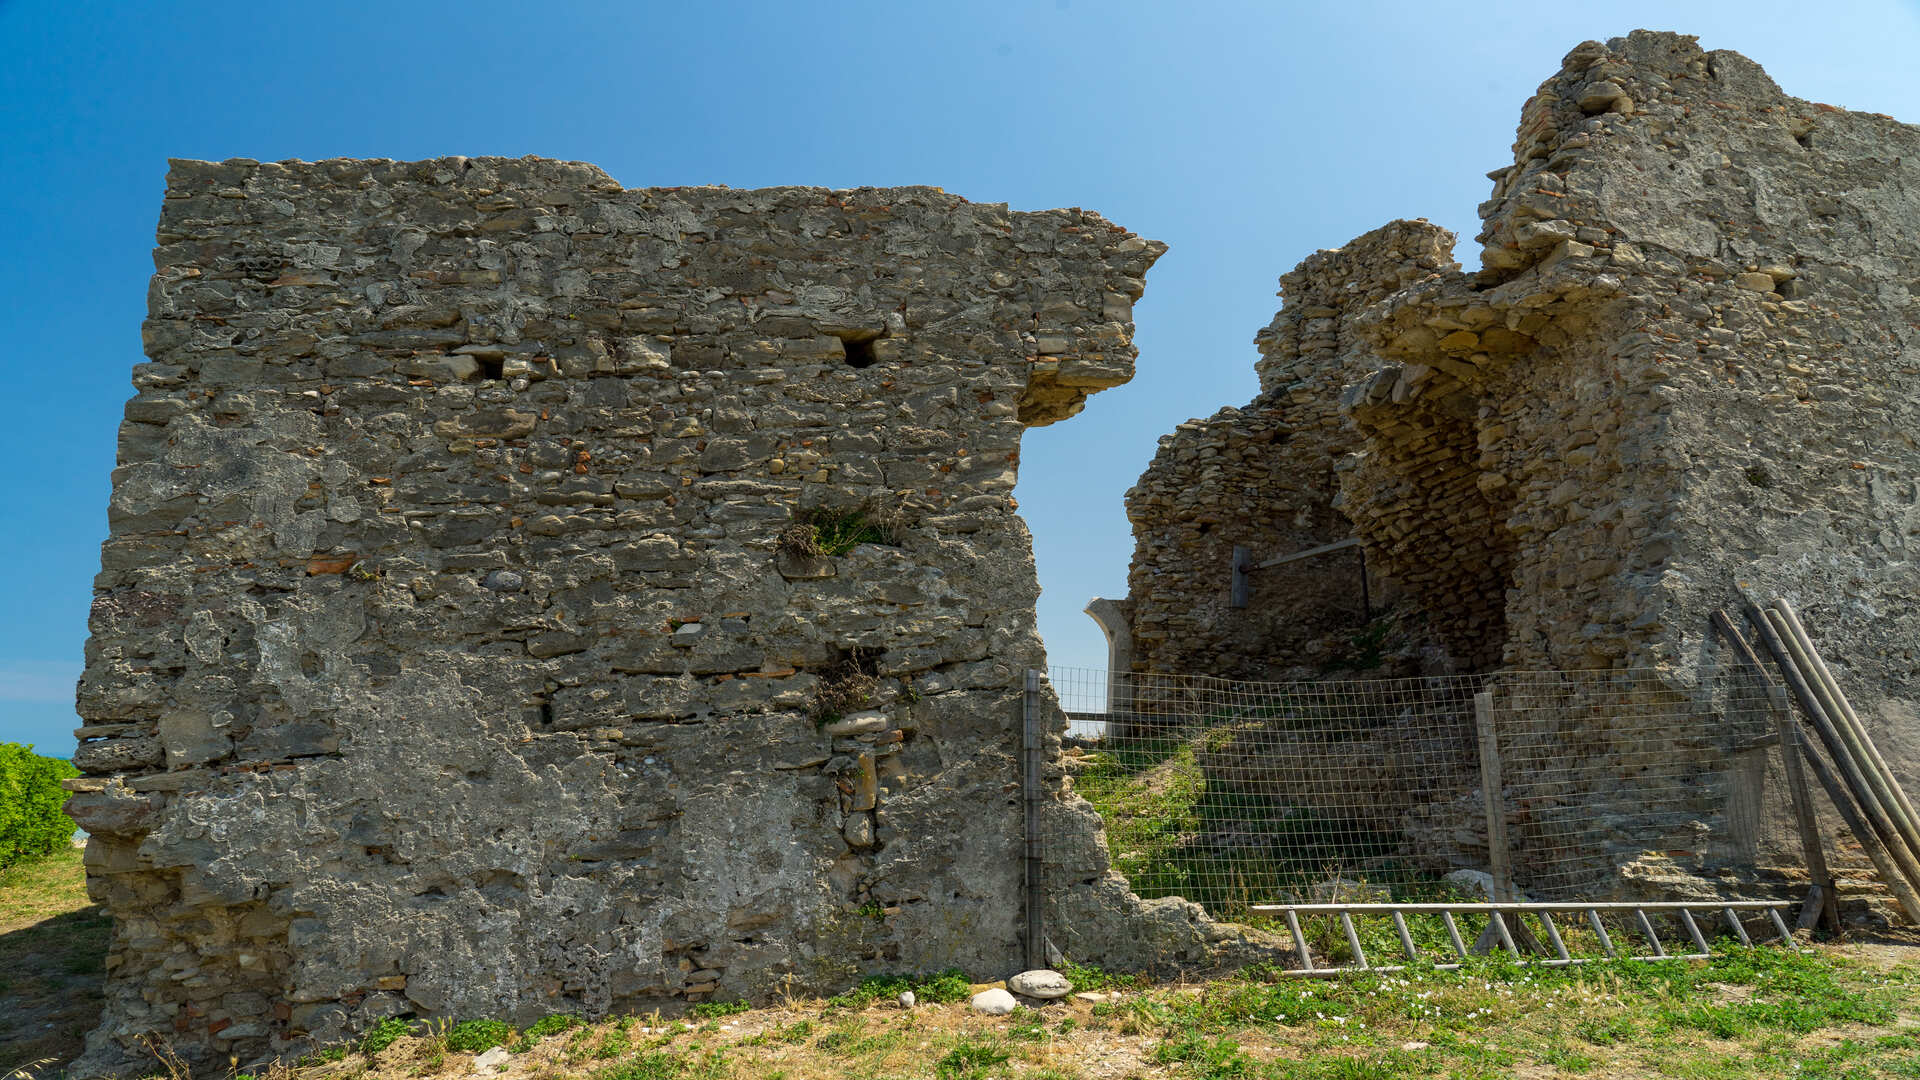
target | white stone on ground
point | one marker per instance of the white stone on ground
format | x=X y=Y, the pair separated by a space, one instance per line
x=1040 y=983
x=994 y=1002
x=490 y=1060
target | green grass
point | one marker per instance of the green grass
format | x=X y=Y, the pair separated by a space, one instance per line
x=1160 y=807
x=478 y=1036
x=948 y=986
x=53 y=948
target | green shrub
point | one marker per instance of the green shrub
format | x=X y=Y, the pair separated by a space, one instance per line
x=384 y=1034
x=714 y=1010
x=31 y=824
x=478 y=1036
x=552 y=1024
x=948 y=986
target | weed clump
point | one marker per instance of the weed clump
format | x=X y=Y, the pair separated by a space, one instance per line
x=477 y=1036
x=972 y=1059
x=948 y=986
x=846 y=685
x=823 y=532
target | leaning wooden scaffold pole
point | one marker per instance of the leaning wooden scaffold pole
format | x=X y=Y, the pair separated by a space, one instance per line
x=1849 y=791
x=1877 y=771
x=1822 y=900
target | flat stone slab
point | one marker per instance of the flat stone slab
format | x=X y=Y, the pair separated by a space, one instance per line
x=1042 y=983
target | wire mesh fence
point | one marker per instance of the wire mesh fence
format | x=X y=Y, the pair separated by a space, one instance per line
x=1234 y=793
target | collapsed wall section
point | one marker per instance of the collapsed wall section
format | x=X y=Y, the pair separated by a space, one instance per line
x=1264 y=477
x=530 y=595
x=1688 y=369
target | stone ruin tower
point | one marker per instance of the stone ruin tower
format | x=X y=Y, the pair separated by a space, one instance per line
x=1689 y=364
x=454 y=652
x=1687 y=367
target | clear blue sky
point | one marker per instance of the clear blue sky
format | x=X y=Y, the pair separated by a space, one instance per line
x=1244 y=135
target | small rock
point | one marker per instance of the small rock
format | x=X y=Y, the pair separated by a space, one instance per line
x=1040 y=983
x=1412 y=1046
x=907 y=999
x=1092 y=997
x=858 y=831
x=490 y=1060
x=504 y=581
x=1603 y=96
x=995 y=1002
x=1754 y=282
x=860 y=723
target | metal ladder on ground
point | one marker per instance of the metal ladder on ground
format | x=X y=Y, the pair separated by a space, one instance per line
x=1496 y=914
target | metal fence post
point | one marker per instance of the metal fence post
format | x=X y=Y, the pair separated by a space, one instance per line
x=1030 y=746
x=1498 y=859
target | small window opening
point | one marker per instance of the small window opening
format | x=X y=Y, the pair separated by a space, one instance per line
x=860 y=353
x=491 y=367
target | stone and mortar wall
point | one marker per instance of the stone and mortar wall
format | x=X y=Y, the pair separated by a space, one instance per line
x=1689 y=365
x=1264 y=477
x=445 y=659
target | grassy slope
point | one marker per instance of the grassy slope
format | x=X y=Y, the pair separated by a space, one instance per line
x=1761 y=1013
x=1849 y=1012
x=53 y=941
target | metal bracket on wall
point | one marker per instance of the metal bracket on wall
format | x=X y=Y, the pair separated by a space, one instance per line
x=1241 y=591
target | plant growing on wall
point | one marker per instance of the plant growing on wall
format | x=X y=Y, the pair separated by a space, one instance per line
x=826 y=532
x=847 y=685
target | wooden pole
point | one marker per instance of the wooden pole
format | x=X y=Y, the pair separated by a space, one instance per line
x=1871 y=793
x=1857 y=819
x=1802 y=799
x=1030 y=745
x=1241 y=591
x=1498 y=863
x=1876 y=767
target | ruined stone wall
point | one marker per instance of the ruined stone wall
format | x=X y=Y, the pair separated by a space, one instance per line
x=1689 y=365
x=1263 y=477
x=472 y=640
x=1716 y=373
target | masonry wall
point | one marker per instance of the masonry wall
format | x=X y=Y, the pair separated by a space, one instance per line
x=459 y=650
x=1689 y=367
x=1266 y=477
x=1709 y=375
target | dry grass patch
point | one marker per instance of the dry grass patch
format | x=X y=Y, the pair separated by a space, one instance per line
x=53 y=948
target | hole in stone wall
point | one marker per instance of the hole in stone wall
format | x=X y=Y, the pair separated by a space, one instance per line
x=1805 y=140
x=860 y=353
x=847 y=683
x=491 y=367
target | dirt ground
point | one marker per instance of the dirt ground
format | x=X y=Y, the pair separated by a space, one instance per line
x=1770 y=1015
